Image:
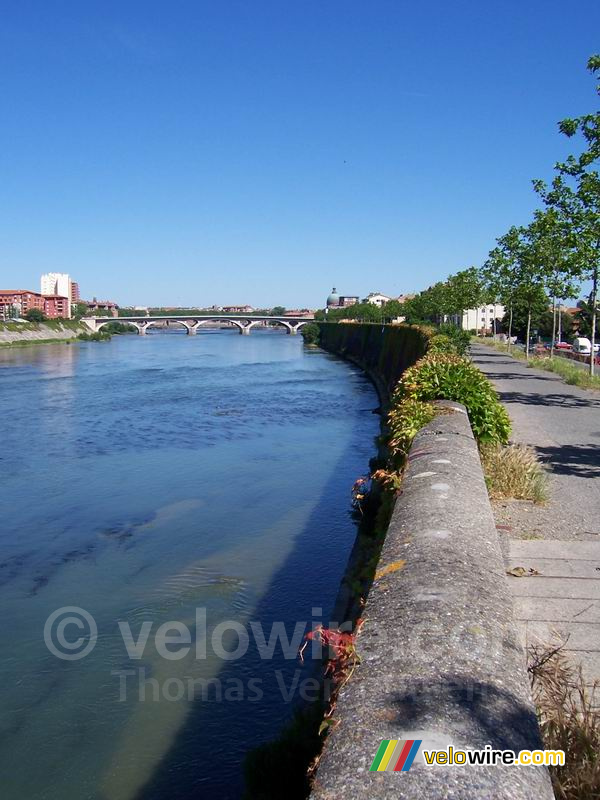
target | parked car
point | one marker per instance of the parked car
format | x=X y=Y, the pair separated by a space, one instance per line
x=582 y=346
x=562 y=346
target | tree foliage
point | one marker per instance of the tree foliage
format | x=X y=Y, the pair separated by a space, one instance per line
x=35 y=315
x=449 y=298
x=574 y=196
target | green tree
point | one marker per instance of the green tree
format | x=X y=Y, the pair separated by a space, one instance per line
x=463 y=290
x=575 y=195
x=518 y=269
x=278 y=311
x=79 y=309
x=310 y=333
x=412 y=309
x=392 y=309
x=550 y=323
x=529 y=310
x=118 y=328
x=552 y=245
x=430 y=305
x=583 y=318
x=500 y=273
x=532 y=276
x=35 y=315
x=365 y=312
x=361 y=312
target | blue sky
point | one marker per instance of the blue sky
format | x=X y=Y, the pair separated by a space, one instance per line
x=262 y=151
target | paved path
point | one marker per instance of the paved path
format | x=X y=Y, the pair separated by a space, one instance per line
x=561 y=604
x=560 y=540
x=562 y=422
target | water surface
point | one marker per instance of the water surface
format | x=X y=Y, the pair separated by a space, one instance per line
x=141 y=480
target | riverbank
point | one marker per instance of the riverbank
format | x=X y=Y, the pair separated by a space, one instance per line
x=441 y=536
x=15 y=334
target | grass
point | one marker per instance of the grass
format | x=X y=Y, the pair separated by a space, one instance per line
x=513 y=350
x=568 y=721
x=28 y=342
x=574 y=376
x=571 y=374
x=62 y=324
x=55 y=325
x=513 y=472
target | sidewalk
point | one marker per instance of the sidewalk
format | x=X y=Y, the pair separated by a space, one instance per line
x=560 y=540
x=562 y=423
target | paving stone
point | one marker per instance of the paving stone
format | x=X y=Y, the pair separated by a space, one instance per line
x=558 y=567
x=553 y=610
x=563 y=603
x=569 y=588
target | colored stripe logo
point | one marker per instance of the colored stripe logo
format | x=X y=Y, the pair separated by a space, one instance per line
x=395 y=755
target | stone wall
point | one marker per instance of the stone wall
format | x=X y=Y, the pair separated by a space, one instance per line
x=440 y=654
x=382 y=351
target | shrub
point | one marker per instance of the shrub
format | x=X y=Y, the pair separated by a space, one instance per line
x=440 y=344
x=459 y=339
x=118 y=328
x=310 y=333
x=450 y=377
x=35 y=315
x=99 y=336
x=405 y=420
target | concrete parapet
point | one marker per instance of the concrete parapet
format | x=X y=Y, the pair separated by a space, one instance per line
x=440 y=654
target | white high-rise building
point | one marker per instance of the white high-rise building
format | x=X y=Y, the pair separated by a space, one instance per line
x=57 y=283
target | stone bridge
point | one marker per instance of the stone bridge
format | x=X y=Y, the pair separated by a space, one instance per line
x=192 y=323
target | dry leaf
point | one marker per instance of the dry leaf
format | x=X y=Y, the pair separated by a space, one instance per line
x=522 y=572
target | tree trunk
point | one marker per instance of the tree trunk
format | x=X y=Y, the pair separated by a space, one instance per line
x=594 y=293
x=510 y=328
x=553 y=326
x=528 y=332
x=559 y=323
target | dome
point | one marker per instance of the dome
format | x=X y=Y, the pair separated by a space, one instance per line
x=334 y=298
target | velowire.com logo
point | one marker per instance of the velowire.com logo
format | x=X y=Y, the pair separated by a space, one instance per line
x=395 y=755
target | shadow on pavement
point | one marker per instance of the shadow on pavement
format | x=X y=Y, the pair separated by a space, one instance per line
x=580 y=460
x=536 y=399
x=530 y=376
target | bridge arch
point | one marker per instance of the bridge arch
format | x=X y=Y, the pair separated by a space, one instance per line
x=235 y=322
x=154 y=323
x=191 y=324
x=100 y=325
x=143 y=327
x=301 y=324
x=284 y=323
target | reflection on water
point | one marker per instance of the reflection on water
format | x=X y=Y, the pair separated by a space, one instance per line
x=142 y=480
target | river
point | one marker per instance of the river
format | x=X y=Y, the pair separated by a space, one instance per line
x=148 y=480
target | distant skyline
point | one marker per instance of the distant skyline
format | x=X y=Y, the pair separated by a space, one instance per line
x=227 y=153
